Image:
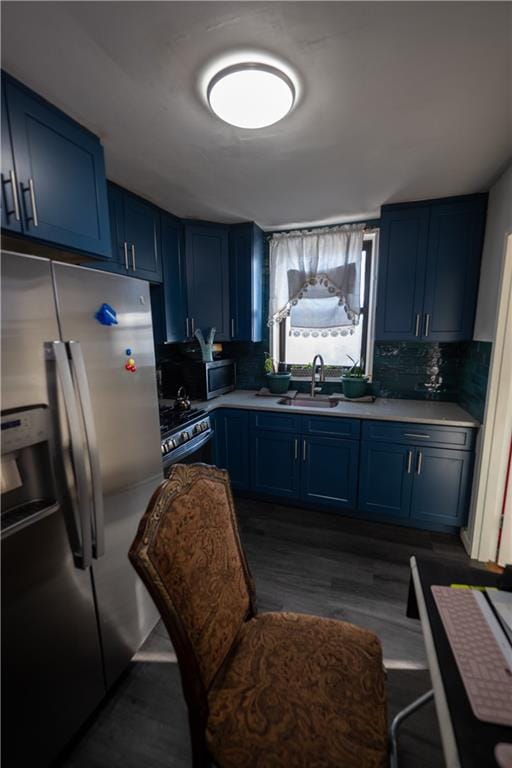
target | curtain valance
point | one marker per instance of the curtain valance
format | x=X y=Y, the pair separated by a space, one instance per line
x=315 y=278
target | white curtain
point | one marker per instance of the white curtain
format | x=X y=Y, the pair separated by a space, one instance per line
x=322 y=265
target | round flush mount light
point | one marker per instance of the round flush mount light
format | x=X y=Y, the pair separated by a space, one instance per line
x=251 y=95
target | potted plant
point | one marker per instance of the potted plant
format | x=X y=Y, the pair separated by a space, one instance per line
x=277 y=382
x=354 y=382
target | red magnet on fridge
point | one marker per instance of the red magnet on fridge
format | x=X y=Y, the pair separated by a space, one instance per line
x=130 y=363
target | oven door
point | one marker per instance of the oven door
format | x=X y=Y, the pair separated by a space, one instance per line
x=198 y=450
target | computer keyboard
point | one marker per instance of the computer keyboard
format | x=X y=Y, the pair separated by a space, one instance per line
x=481 y=649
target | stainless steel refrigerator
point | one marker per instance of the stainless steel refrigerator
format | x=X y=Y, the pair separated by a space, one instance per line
x=80 y=460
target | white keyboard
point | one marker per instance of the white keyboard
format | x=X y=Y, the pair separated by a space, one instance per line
x=481 y=649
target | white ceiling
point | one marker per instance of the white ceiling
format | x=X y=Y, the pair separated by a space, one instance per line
x=400 y=101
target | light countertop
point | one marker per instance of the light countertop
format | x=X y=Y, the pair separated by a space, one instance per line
x=414 y=411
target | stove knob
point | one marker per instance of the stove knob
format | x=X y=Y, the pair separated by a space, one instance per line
x=185 y=436
x=162 y=448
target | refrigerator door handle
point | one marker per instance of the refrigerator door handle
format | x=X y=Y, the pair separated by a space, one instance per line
x=84 y=394
x=58 y=348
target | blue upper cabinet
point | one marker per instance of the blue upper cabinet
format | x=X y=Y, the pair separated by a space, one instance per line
x=142 y=236
x=207 y=267
x=11 y=211
x=402 y=258
x=60 y=175
x=429 y=267
x=135 y=228
x=169 y=300
x=453 y=259
x=246 y=247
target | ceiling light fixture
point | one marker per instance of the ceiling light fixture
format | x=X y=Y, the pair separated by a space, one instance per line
x=251 y=95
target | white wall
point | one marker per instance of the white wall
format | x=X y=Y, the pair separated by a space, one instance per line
x=499 y=223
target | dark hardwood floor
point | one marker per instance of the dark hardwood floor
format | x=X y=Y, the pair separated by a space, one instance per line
x=301 y=560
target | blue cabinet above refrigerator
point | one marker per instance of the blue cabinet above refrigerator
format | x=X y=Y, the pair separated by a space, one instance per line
x=135 y=230
x=53 y=175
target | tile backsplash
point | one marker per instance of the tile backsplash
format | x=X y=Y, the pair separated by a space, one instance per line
x=418 y=370
x=455 y=372
x=474 y=376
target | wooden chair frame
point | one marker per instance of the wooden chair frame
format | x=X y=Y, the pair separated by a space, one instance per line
x=195 y=693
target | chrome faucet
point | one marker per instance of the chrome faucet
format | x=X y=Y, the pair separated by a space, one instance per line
x=313 y=375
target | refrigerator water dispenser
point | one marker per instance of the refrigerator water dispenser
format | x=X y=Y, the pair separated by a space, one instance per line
x=26 y=475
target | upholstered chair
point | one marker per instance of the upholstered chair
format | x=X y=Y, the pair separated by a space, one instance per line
x=263 y=690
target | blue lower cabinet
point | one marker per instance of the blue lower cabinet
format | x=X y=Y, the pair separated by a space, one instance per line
x=320 y=462
x=231 y=445
x=441 y=486
x=386 y=479
x=275 y=463
x=329 y=471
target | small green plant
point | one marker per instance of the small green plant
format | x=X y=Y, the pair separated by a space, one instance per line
x=355 y=372
x=270 y=364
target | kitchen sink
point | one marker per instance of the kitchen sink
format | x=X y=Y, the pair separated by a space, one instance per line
x=309 y=402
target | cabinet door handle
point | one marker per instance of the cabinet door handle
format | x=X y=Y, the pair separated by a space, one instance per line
x=427 y=324
x=409 y=462
x=417 y=330
x=187 y=328
x=296 y=446
x=419 y=463
x=193 y=326
x=134 y=266
x=304 y=450
x=14 y=184
x=125 y=247
x=232 y=327
x=32 y=193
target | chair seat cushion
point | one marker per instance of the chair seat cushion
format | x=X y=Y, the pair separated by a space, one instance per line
x=300 y=692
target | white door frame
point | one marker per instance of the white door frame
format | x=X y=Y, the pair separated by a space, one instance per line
x=491 y=467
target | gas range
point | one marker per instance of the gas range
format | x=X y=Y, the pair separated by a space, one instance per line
x=182 y=432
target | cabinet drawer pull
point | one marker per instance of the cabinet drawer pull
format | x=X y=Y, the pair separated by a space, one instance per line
x=409 y=462
x=427 y=324
x=33 y=202
x=304 y=450
x=416 y=436
x=134 y=266
x=417 y=330
x=296 y=446
x=419 y=463
x=125 y=248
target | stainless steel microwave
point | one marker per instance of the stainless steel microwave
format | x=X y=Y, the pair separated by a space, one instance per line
x=201 y=380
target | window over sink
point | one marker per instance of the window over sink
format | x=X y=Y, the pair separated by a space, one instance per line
x=320 y=321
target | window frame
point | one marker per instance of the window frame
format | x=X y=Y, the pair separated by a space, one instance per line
x=279 y=334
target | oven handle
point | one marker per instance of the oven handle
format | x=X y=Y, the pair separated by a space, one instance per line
x=187 y=448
